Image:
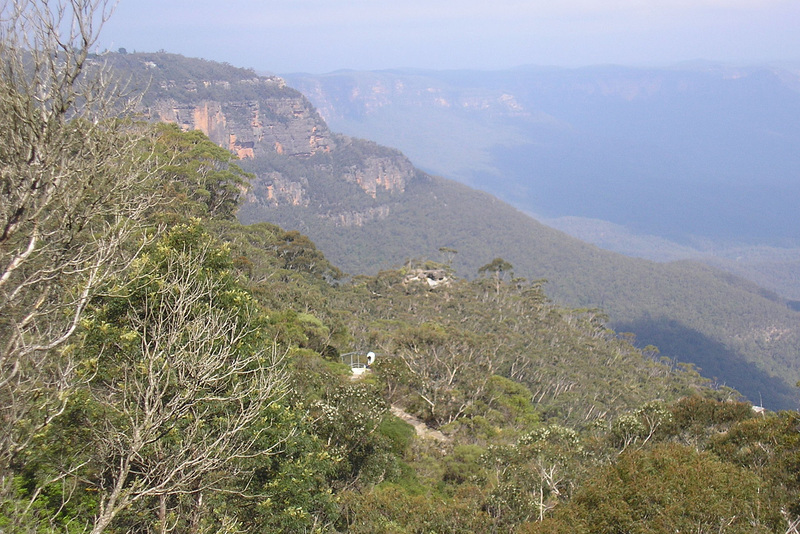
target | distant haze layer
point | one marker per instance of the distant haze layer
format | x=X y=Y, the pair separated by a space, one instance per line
x=301 y=35
x=702 y=151
x=701 y=154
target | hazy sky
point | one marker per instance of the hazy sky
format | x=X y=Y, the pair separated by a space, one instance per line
x=325 y=35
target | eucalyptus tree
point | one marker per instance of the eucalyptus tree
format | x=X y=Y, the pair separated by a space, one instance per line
x=72 y=194
x=185 y=378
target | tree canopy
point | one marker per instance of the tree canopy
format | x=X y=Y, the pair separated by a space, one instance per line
x=167 y=369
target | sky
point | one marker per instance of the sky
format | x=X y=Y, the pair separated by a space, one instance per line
x=319 y=36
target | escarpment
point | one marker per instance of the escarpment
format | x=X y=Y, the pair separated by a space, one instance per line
x=277 y=135
x=284 y=125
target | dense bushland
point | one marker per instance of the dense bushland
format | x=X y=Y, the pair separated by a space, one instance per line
x=166 y=369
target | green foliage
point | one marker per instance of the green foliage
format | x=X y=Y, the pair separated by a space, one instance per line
x=497 y=268
x=350 y=415
x=467 y=350
x=533 y=474
x=198 y=176
x=669 y=488
x=768 y=446
x=293 y=490
x=389 y=509
x=283 y=269
x=638 y=427
x=511 y=403
x=398 y=432
x=464 y=465
x=695 y=419
x=206 y=391
x=183 y=372
x=42 y=497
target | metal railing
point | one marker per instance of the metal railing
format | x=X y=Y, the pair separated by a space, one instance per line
x=358 y=360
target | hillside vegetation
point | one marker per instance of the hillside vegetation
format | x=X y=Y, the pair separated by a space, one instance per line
x=368 y=209
x=165 y=368
x=734 y=331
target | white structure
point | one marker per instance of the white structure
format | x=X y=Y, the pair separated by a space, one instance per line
x=359 y=362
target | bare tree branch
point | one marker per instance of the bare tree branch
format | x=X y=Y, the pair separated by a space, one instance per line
x=187 y=400
x=72 y=196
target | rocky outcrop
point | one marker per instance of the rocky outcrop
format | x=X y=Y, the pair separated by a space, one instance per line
x=292 y=127
x=432 y=277
x=205 y=116
x=288 y=126
x=357 y=218
x=296 y=160
x=242 y=149
x=273 y=189
x=374 y=173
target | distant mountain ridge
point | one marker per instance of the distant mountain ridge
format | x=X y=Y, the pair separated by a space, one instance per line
x=368 y=208
x=701 y=154
x=697 y=150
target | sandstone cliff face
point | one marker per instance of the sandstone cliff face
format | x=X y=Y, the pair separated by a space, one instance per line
x=278 y=135
x=374 y=173
x=286 y=126
x=273 y=189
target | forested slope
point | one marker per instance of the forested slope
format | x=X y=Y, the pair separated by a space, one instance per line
x=166 y=369
x=367 y=208
x=694 y=160
x=734 y=331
